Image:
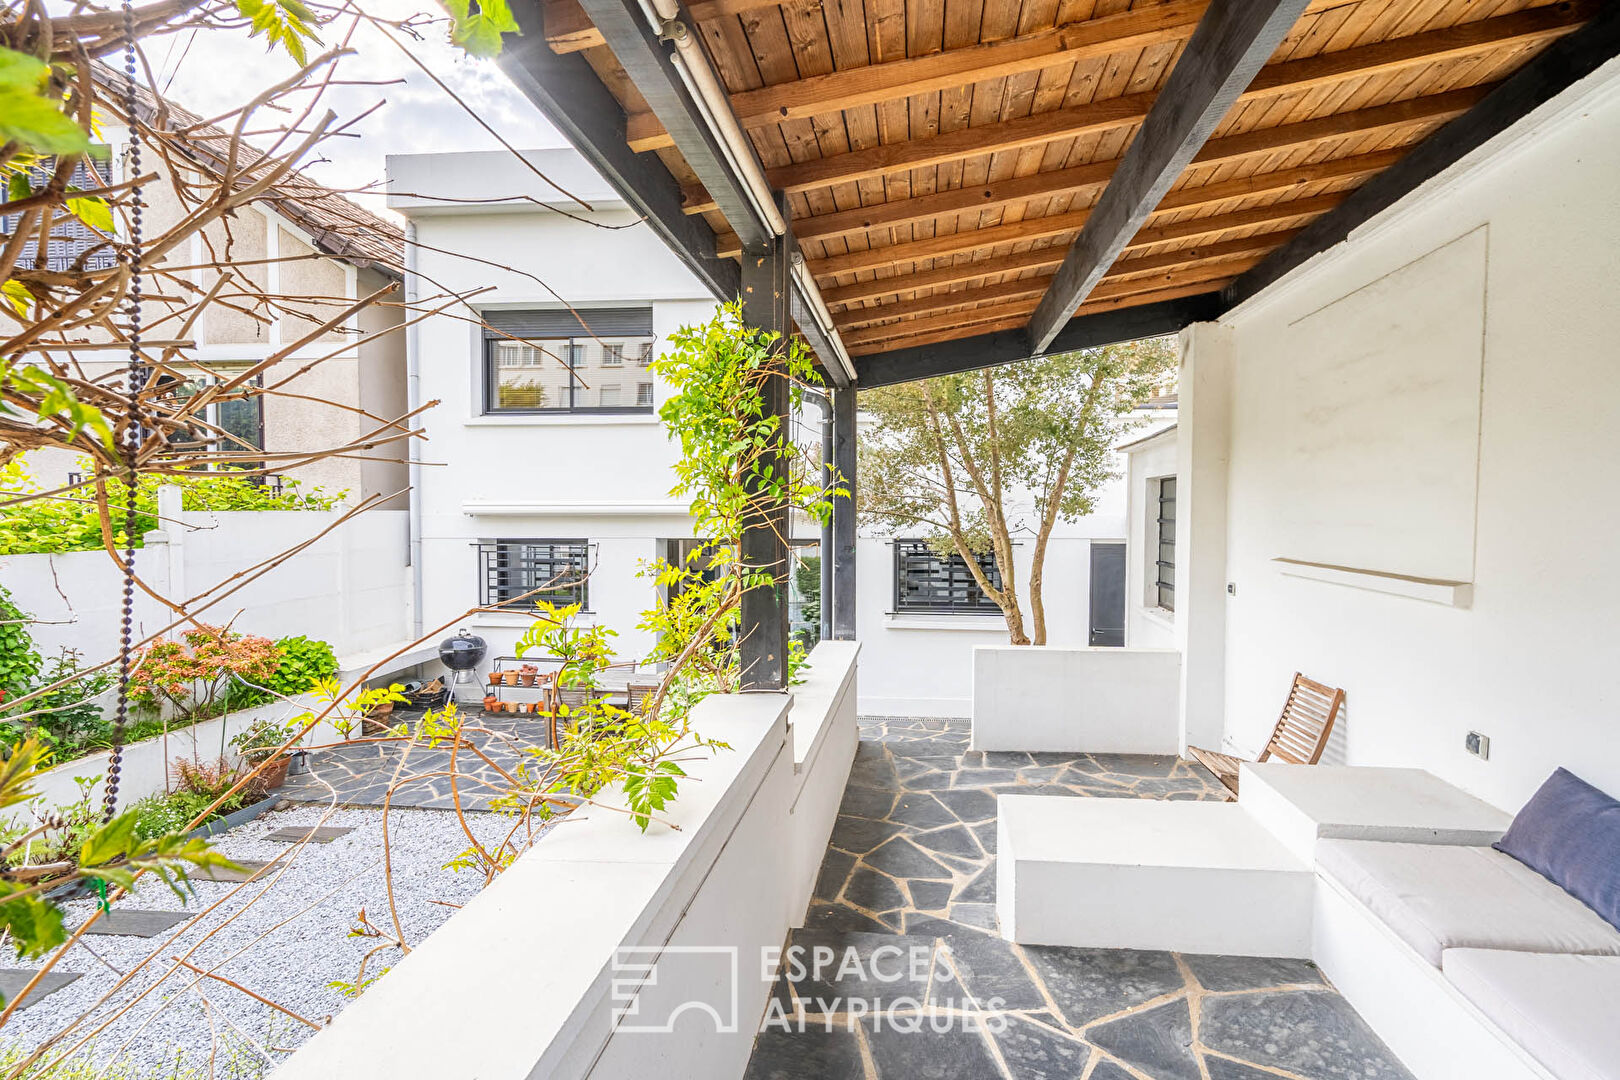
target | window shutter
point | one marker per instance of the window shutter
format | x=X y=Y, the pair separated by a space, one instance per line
x=562 y=323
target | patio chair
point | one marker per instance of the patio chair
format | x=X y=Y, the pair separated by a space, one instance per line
x=1299 y=738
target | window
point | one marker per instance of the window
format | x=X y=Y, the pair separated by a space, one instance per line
x=240 y=418
x=924 y=582
x=510 y=568
x=73 y=245
x=1164 y=564
x=557 y=361
x=644 y=394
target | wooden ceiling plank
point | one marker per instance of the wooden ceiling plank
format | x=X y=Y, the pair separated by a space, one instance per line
x=569 y=29
x=1226 y=51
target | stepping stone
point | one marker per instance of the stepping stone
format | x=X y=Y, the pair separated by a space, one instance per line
x=12 y=980
x=320 y=834
x=246 y=868
x=120 y=922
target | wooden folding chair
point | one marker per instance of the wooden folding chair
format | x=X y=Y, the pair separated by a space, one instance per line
x=1299 y=738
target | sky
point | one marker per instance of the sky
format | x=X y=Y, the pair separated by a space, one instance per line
x=211 y=71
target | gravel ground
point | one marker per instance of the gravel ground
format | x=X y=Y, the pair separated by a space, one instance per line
x=285 y=937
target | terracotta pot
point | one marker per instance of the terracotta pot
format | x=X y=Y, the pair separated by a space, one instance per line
x=510 y=678
x=489 y=702
x=526 y=678
x=494 y=678
x=272 y=776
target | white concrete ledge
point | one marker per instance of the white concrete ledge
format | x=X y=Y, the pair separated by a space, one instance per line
x=1434 y=590
x=1118 y=701
x=529 y=978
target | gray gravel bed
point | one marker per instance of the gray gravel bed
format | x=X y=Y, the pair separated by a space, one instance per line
x=285 y=936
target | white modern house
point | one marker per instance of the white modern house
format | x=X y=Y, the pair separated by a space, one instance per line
x=545 y=454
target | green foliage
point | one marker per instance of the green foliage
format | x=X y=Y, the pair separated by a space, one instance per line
x=584 y=651
x=287 y=23
x=72 y=523
x=479 y=28
x=301 y=665
x=162 y=814
x=807 y=579
x=67 y=718
x=19 y=661
x=195 y=674
x=261 y=737
x=29 y=115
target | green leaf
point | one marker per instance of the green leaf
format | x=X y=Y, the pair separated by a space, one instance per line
x=17 y=295
x=113 y=840
x=93 y=211
x=19 y=187
x=28 y=115
x=479 y=32
x=35 y=924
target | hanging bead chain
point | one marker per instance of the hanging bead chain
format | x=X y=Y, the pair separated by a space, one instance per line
x=132 y=432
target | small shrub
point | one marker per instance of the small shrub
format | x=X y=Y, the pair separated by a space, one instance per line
x=66 y=719
x=160 y=815
x=70 y=826
x=301 y=664
x=210 y=779
x=195 y=675
x=19 y=662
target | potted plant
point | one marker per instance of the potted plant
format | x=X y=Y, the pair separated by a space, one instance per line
x=259 y=743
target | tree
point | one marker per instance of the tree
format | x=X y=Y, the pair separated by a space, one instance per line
x=977 y=458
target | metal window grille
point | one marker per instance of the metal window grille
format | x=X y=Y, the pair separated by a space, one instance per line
x=1164 y=578
x=510 y=568
x=73 y=245
x=924 y=582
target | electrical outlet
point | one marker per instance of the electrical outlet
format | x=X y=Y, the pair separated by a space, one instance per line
x=1478 y=745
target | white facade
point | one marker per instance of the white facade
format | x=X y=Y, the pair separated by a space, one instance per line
x=604 y=478
x=1395 y=470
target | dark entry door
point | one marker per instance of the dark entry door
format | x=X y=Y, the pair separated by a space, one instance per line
x=1108 y=594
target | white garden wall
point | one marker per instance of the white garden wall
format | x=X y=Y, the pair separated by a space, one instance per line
x=669 y=921
x=1079 y=701
x=1471 y=435
x=350 y=588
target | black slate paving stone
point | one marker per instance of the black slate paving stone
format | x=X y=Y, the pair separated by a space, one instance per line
x=867 y=803
x=129 y=922
x=969 y=805
x=981 y=890
x=1250 y=972
x=12 y=981
x=982 y=916
x=901 y=858
x=1312 y=1033
x=929 y=1055
x=1004 y=759
x=1033 y=1052
x=814 y=1054
x=860 y=835
x=1108 y=1070
x=1157 y=1041
x=931 y=780
x=1088 y=984
x=842 y=917
x=849 y=969
x=1225 y=1069
x=320 y=834
x=992 y=972
x=929 y=895
x=1135 y=764
x=873 y=891
x=835 y=868
x=986 y=832
x=978 y=778
x=954 y=840
x=922 y=810
x=873 y=773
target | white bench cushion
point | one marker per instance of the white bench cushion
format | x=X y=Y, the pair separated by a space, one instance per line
x=1438 y=897
x=1561 y=1009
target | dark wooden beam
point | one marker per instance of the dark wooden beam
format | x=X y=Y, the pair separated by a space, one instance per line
x=649 y=65
x=1230 y=45
x=1558 y=67
x=1009 y=346
x=767 y=285
x=569 y=94
x=843 y=543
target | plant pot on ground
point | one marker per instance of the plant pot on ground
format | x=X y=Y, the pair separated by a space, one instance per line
x=262 y=741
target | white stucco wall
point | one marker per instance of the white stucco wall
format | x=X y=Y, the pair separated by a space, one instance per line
x=1531 y=235
x=602 y=478
x=1147 y=625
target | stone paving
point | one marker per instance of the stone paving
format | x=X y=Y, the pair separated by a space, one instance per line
x=361 y=773
x=911 y=866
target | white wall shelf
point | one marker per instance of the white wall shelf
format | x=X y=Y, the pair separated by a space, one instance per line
x=1434 y=590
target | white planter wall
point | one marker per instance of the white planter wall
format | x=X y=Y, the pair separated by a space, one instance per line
x=704 y=906
x=1116 y=701
x=145 y=765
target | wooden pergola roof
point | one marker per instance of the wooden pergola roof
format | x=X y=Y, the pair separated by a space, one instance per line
x=940 y=160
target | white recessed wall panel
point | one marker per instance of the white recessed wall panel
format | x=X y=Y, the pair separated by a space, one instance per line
x=1382 y=420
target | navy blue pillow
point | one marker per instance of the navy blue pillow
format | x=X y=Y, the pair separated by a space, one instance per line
x=1569 y=832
